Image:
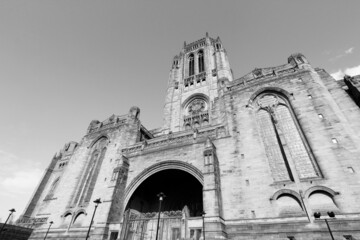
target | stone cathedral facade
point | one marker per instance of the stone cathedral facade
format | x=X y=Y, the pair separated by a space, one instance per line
x=259 y=154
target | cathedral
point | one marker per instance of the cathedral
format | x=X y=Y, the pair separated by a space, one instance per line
x=273 y=155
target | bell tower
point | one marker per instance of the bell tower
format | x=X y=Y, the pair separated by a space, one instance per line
x=193 y=84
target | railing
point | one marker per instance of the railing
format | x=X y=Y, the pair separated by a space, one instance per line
x=200 y=116
x=199 y=78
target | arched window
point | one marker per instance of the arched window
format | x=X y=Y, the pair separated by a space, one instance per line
x=67 y=219
x=218 y=46
x=285 y=145
x=79 y=219
x=95 y=169
x=201 y=61
x=51 y=192
x=321 y=201
x=288 y=205
x=87 y=182
x=191 y=64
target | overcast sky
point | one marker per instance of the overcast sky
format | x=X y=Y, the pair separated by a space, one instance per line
x=65 y=63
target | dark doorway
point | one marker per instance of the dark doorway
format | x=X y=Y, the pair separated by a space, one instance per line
x=181 y=189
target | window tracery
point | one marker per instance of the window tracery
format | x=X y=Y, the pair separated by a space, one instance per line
x=284 y=142
x=196 y=113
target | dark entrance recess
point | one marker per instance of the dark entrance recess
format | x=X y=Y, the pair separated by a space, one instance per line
x=181 y=189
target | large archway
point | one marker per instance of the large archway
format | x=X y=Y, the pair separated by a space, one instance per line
x=180 y=187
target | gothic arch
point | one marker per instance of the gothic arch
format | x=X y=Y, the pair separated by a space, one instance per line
x=313 y=189
x=172 y=164
x=67 y=212
x=286 y=192
x=270 y=89
x=284 y=141
x=81 y=210
x=191 y=62
x=194 y=96
x=99 y=138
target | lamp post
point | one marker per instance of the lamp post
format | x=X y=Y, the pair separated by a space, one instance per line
x=203 y=217
x=317 y=215
x=97 y=202
x=11 y=212
x=48 y=229
x=161 y=197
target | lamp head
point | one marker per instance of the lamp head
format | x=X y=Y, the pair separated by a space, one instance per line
x=161 y=196
x=51 y=222
x=12 y=210
x=317 y=214
x=97 y=201
x=331 y=214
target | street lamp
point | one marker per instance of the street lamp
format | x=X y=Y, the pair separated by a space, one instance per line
x=48 y=229
x=203 y=217
x=97 y=202
x=11 y=212
x=161 y=197
x=317 y=215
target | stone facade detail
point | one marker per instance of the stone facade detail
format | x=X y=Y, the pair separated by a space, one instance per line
x=259 y=154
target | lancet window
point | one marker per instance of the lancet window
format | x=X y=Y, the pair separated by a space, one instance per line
x=191 y=65
x=88 y=180
x=201 y=61
x=53 y=187
x=286 y=148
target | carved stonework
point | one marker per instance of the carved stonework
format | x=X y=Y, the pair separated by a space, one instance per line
x=196 y=106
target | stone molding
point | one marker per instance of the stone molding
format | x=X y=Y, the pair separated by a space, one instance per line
x=171 y=164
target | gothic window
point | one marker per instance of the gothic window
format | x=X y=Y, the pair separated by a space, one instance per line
x=288 y=205
x=196 y=112
x=285 y=145
x=79 y=219
x=191 y=65
x=67 y=219
x=51 y=192
x=218 y=46
x=115 y=174
x=88 y=180
x=321 y=201
x=201 y=61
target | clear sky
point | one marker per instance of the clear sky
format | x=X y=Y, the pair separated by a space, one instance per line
x=65 y=63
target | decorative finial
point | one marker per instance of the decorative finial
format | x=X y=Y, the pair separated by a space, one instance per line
x=184 y=43
x=207 y=34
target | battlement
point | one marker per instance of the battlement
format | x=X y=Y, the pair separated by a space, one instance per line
x=110 y=122
x=198 y=43
x=295 y=63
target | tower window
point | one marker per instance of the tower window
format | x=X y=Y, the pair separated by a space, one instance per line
x=191 y=65
x=218 y=46
x=201 y=61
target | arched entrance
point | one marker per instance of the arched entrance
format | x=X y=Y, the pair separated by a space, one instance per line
x=180 y=212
